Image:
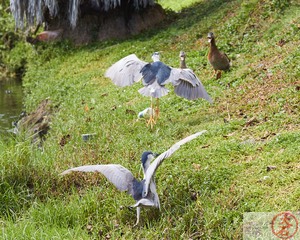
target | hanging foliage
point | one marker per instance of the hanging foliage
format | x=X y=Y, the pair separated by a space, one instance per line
x=32 y=12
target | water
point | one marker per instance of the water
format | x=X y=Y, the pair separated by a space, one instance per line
x=11 y=105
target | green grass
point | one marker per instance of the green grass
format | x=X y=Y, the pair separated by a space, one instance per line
x=175 y=5
x=253 y=123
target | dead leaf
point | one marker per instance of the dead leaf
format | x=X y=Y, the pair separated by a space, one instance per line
x=88 y=119
x=269 y=168
x=228 y=135
x=226 y=120
x=131 y=112
x=281 y=42
x=86 y=108
x=89 y=227
x=194 y=196
x=232 y=188
x=196 y=166
x=281 y=150
x=267 y=135
x=64 y=140
x=251 y=122
x=206 y=146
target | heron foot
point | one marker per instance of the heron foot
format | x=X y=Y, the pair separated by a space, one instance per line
x=135 y=225
x=151 y=121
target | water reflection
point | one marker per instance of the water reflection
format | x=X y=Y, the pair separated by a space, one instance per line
x=11 y=96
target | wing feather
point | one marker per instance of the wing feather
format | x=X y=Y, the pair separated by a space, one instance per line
x=126 y=71
x=118 y=175
x=188 y=85
x=155 y=164
x=186 y=74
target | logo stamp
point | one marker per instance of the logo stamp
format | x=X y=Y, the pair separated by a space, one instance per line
x=284 y=225
x=271 y=225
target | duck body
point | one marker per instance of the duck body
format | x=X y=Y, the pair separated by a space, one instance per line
x=218 y=59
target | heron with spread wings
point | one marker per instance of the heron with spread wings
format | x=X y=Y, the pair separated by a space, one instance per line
x=156 y=75
x=143 y=192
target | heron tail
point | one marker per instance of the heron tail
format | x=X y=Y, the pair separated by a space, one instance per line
x=154 y=91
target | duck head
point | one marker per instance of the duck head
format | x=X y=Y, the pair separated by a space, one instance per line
x=182 y=59
x=210 y=36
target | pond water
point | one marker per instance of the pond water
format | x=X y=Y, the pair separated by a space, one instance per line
x=11 y=104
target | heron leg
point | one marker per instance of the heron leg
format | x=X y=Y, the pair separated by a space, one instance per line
x=157 y=108
x=151 y=120
x=138 y=212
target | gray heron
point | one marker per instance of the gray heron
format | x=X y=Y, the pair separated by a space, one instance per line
x=155 y=75
x=143 y=192
x=216 y=58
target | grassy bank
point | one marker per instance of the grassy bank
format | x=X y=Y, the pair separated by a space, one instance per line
x=207 y=185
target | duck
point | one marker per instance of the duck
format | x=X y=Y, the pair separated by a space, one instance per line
x=219 y=60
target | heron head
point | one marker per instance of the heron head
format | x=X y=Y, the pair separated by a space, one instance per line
x=147 y=156
x=155 y=56
x=210 y=36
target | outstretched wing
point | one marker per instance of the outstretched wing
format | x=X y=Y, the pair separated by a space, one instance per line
x=185 y=74
x=118 y=175
x=126 y=71
x=188 y=85
x=155 y=164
